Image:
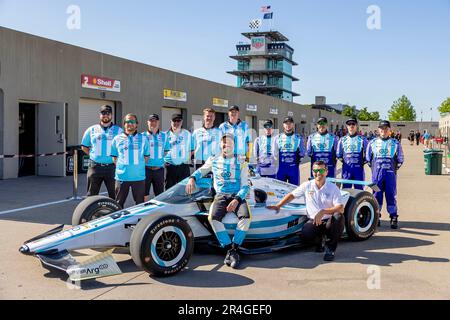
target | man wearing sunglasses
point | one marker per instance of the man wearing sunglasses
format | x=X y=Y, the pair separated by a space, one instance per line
x=130 y=151
x=385 y=156
x=351 y=151
x=325 y=208
x=179 y=150
x=291 y=151
x=322 y=145
x=265 y=152
x=96 y=143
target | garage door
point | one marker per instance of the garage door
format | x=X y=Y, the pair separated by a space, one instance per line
x=167 y=117
x=88 y=114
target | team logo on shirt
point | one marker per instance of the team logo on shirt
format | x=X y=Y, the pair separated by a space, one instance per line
x=226 y=174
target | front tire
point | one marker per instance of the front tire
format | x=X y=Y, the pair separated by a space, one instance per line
x=93 y=208
x=361 y=215
x=162 y=244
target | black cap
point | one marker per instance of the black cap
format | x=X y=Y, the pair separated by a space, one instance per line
x=268 y=124
x=384 y=123
x=233 y=108
x=153 y=116
x=351 y=120
x=322 y=119
x=288 y=119
x=106 y=108
x=177 y=116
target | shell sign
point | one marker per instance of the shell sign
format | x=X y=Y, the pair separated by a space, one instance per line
x=100 y=83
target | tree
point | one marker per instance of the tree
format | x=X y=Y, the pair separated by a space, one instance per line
x=402 y=110
x=445 y=106
x=375 y=116
x=364 y=115
x=349 y=112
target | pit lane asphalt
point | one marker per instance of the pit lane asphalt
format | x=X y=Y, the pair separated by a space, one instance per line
x=413 y=262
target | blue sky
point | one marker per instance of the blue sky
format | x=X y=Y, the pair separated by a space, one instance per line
x=338 y=56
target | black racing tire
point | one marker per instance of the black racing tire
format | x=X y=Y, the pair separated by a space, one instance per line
x=93 y=208
x=361 y=215
x=162 y=244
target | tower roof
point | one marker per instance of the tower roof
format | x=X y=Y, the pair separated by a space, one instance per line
x=272 y=35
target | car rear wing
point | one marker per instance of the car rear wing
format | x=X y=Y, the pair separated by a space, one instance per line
x=371 y=185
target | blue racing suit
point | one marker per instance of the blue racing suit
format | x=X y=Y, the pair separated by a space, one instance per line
x=291 y=151
x=230 y=176
x=385 y=157
x=323 y=147
x=265 y=152
x=351 y=150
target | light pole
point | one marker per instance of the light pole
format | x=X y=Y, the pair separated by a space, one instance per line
x=431 y=112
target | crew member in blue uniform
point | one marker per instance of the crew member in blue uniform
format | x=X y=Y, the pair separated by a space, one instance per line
x=351 y=150
x=206 y=139
x=96 y=143
x=291 y=151
x=385 y=156
x=130 y=152
x=239 y=129
x=179 y=150
x=265 y=152
x=154 y=169
x=322 y=146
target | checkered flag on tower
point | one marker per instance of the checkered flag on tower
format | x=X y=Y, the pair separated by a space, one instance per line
x=255 y=24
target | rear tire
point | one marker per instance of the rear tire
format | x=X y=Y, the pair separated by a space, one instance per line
x=361 y=215
x=162 y=244
x=93 y=208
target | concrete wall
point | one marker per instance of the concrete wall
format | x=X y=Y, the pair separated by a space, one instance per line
x=404 y=126
x=42 y=70
x=444 y=125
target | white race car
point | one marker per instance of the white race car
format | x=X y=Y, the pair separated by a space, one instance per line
x=162 y=232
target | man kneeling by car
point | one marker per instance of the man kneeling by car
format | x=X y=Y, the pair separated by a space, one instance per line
x=325 y=208
x=230 y=176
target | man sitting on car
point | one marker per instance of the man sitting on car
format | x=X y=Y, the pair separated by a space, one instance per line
x=230 y=176
x=325 y=208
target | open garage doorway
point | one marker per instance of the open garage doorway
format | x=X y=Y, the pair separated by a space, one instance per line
x=27 y=138
x=42 y=131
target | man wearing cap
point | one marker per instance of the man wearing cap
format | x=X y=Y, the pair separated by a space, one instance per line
x=385 y=156
x=291 y=150
x=239 y=129
x=130 y=152
x=230 y=176
x=154 y=168
x=265 y=152
x=206 y=139
x=322 y=145
x=179 y=150
x=96 y=143
x=351 y=150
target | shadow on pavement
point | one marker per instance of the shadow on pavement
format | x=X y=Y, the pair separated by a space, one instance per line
x=206 y=279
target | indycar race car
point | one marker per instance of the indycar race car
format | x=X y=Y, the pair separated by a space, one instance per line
x=162 y=232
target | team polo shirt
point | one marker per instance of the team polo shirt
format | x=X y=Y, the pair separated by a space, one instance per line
x=99 y=140
x=317 y=199
x=156 y=143
x=206 y=143
x=241 y=134
x=178 y=147
x=130 y=151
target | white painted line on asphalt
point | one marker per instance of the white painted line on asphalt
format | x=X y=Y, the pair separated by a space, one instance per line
x=35 y=206
x=38 y=206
